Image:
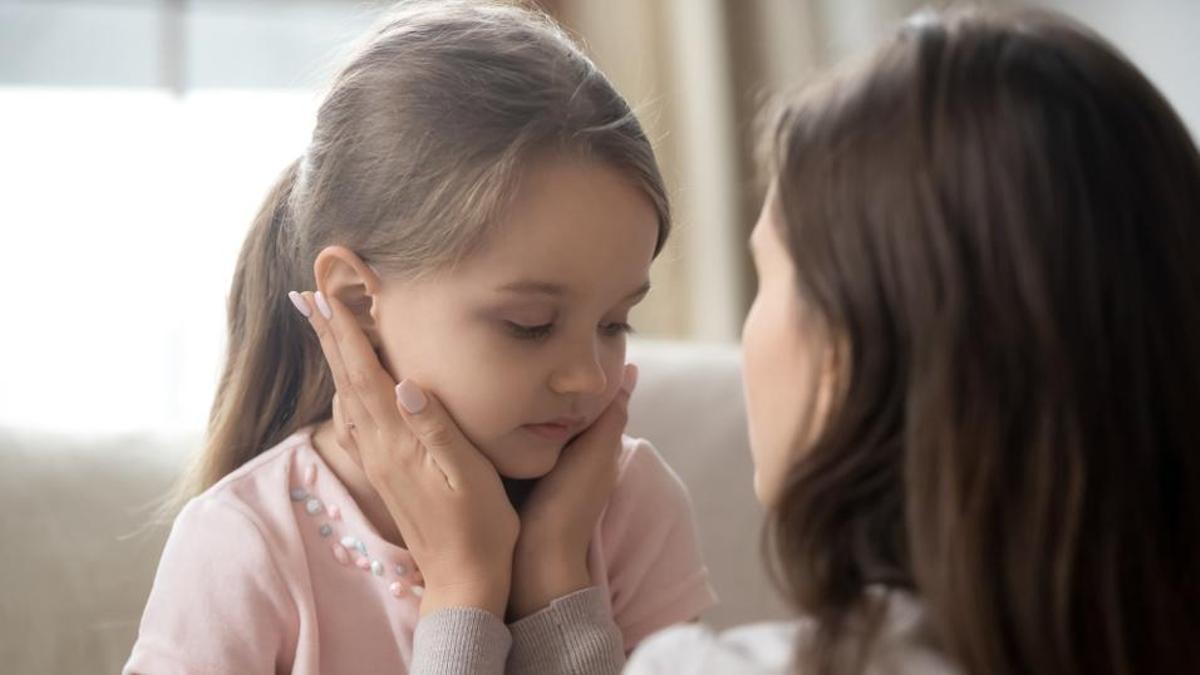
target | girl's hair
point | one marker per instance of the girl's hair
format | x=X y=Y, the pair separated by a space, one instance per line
x=418 y=147
x=997 y=220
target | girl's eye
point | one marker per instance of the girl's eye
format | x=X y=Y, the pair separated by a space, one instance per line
x=523 y=332
x=615 y=329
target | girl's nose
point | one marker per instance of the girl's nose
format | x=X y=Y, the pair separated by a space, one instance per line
x=581 y=373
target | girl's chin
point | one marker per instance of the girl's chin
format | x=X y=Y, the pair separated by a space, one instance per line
x=527 y=462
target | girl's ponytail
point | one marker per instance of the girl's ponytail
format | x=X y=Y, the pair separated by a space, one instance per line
x=273 y=381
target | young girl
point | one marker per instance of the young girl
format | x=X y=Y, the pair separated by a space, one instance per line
x=972 y=369
x=483 y=207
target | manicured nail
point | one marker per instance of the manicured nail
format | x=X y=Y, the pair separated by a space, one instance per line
x=324 y=306
x=631 y=378
x=411 y=397
x=300 y=304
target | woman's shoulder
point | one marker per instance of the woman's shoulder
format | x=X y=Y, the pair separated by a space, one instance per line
x=755 y=649
x=903 y=643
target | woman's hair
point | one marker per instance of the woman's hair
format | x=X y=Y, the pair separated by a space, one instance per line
x=998 y=218
x=419 y=146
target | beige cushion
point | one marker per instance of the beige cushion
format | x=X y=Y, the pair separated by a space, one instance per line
x=78 y=556
x=689 y=403
x=79 y=549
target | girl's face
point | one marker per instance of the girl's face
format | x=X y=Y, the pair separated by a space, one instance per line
x=785 y=382
x=524 y=341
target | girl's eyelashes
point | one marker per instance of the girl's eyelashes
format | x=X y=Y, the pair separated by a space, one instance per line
x=523 y=332
x=616 y=328
x=543 y=331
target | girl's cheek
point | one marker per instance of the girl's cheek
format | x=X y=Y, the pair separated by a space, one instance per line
x=614 y=373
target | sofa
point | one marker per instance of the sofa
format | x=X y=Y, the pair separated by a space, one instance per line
x=80 y=544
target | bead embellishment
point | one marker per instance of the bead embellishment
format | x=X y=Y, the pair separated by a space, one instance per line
x=356 y=544
x=350 y=550
x=340 y=554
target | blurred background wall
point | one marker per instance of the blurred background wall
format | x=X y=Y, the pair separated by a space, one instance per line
x=137 y=138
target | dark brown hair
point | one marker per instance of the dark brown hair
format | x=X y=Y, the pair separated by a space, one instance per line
x=998 y=217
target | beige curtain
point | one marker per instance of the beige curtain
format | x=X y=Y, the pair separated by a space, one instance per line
x=697 y=71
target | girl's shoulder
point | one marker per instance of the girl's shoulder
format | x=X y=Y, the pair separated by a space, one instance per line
x=267 y=478
x=649 y=546
x=646 y=484
x=258 y=497
x=640 y=463
x=223 y=591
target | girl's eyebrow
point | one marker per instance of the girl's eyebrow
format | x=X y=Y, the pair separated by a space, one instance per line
x=530 y=287
x=534 y=288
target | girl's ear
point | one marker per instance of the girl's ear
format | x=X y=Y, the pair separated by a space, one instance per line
x=341 y=274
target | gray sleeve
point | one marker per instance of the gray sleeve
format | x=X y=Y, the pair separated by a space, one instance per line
x=460 y=641
x=575 y=635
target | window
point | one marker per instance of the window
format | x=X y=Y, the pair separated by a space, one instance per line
x=138 y=140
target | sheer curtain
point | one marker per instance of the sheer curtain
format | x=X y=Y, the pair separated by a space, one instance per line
x=698 y=71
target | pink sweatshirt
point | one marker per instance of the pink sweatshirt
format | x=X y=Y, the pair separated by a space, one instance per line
x=275 y=569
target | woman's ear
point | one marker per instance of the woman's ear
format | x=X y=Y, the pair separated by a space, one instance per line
x=341 y=274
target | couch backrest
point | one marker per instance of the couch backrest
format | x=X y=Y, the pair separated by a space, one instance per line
x=79 y=550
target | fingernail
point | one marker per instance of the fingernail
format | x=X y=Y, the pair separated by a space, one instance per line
x=631 y=378
x=411 y=397
x=324 y=306
x=300 y=304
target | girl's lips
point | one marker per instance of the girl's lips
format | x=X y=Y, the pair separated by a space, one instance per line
x=554 y=431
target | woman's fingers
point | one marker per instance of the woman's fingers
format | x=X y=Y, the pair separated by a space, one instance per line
x=445 y=497
x=594 y=453
x=367 y=395
x=433 y=426
x=612 y=421
x=363 y=371
x=360 y=378
x=342 y=432
x=352 y=409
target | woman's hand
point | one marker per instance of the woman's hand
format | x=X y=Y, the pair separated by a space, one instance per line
x=560 y=515
x=444 y=495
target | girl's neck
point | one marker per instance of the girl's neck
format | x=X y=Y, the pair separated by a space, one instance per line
x=348 y=471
